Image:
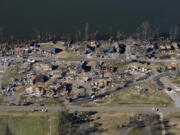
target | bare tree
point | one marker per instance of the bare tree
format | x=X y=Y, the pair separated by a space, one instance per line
x=176 y=32
x=173 y=32
x=95 y=35
x=145 y=30
x=37 y=35
x=54 y=36
x=86 y=31
x=68 y=37
x=62 y=37
x=12 y=39
x=1 y=34
x=155 y=33
x=79 y=35
x=50 y=36
x=118 y=36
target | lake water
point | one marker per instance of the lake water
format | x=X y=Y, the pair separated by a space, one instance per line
x=24 y=17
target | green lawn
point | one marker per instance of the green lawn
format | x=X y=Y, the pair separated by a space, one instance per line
x=40 y=100
x=128 y=98
x=21 y=125
x=132 y=98
x=27 y=123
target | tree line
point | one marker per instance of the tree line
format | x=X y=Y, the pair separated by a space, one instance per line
x=145 y=31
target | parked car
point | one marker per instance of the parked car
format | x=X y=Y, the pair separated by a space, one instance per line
x=39 y=104
x=12 y=104
x=93 y=96
x=44 y=110
x=155 y=109
x=35 y=110
x=27 y=103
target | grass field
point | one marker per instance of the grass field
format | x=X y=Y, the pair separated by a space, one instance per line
x=24 y=125
x=27 y=123
x=132 y=98
x=128 y=98
x=54 y=101
x=112 y=121
x=2 y=101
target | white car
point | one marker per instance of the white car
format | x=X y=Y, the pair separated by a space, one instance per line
x=31 y=60
x=93 y=96
x=44 y=110
x=155 y=109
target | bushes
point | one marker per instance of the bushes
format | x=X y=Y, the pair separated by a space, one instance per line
x=76 y=123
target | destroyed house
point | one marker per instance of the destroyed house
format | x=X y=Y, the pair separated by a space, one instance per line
x=51 y=50
x=108 y=69
x=108 y=50
x=40 y=79
x=45 y=67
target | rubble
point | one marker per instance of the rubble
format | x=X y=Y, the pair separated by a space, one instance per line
x=82 y=78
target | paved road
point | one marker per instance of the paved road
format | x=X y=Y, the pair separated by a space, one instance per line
x=73 y=108
x=163 y=61
x=61 y=59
